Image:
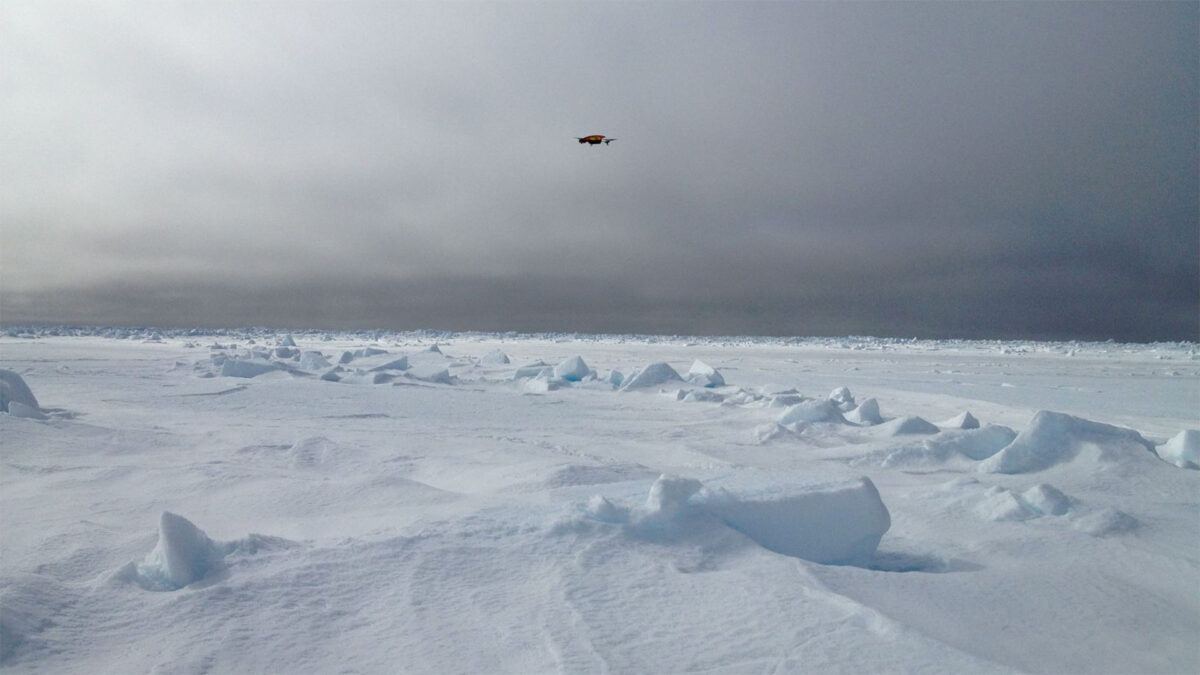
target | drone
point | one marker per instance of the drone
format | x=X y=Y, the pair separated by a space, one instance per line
x=595 y=139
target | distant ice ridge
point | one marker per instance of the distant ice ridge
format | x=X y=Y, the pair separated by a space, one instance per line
x=835 y=523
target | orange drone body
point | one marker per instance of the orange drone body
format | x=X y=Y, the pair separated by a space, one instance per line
x=595 y=139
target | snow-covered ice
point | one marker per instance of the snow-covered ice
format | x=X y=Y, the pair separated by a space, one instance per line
x=375 y=502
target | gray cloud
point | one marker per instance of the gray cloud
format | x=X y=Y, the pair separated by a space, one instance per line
x=936 y=169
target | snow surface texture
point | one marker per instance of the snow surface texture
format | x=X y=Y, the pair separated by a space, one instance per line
x=464 y=503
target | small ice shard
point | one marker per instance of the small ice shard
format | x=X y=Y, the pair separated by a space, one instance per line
x=906 y=425
x=1183 y=450
x=653 y=375
x=963 y=421
x=866 y=414
x=184 y=554
x=572 y=369
x=703 y=375
x=842 y=398
x=494 y=358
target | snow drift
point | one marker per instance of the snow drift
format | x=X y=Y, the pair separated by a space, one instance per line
x=1053 y=438
x=184 y=554
x=838 y=522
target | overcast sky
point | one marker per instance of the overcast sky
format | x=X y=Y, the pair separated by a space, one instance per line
x=902 y=169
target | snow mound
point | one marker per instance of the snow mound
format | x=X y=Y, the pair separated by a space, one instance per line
x=866 y=414
x=905 y=425
x=1105 y=522
x=1053 y=438
x=533 y=370
x=393 y=364
x=1046 y=500
x=431 y=372
x=247 y=368
x=14 y=390
x=311 y=452
x=494 y=358
x=963 y=421
x=999 y=504
x=572 y=369
x=600 y=508
x=1183 y=450
x=973 y=444
x=842 y=398
x=811 y=411
x=313 y=361
x=703 y=375
x=832 y=523
x=702 y=395
x=653 y=375
x=669 y=494
x=184 y=555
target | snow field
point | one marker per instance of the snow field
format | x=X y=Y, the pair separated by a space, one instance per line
x=517 y=504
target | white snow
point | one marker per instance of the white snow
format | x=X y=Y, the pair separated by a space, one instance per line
x=452 y=511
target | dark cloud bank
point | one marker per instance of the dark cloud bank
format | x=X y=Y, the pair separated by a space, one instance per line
x=998 y=170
